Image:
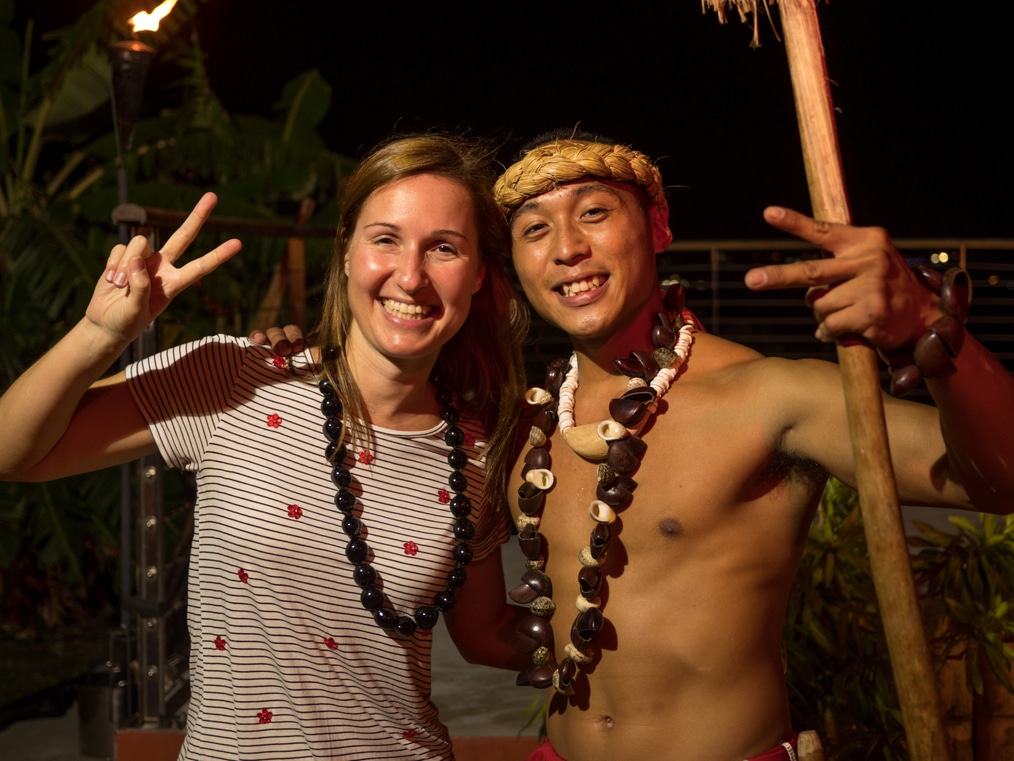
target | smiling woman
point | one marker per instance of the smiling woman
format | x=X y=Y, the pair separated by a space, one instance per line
x=347 y=496
x=413 y=265
x=396 y=174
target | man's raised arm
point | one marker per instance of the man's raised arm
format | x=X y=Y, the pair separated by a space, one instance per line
x=866 y=289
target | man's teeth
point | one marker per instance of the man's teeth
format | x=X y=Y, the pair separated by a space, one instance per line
x=407 y=311
x=580 y=286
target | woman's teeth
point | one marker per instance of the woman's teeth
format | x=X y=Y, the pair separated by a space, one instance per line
x=406 y=311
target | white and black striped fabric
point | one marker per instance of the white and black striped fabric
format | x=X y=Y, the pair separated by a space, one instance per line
x=285 y=662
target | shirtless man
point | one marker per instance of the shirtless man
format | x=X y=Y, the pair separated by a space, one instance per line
x=695 y=580
x=687 y=663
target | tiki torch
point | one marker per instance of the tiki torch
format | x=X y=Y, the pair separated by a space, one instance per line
x=878 y=496
x=130 y=60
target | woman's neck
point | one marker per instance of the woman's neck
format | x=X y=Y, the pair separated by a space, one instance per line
x=396 y=396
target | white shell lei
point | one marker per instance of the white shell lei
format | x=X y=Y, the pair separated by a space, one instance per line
x=591 y=441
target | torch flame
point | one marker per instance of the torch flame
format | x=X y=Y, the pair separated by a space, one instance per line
x=148 y=22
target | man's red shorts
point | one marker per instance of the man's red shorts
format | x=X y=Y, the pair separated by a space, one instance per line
x=546 y=752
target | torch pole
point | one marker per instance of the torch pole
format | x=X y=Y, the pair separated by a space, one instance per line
x=878 y=498
x=129 y=62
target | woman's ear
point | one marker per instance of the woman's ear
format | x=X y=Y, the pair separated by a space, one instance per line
x=480 y=276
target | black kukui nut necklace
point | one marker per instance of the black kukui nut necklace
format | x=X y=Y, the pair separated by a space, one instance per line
x=358 y=551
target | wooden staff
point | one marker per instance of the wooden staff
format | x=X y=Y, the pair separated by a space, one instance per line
x=296 y=258
x=289 y=277
x=860 y=370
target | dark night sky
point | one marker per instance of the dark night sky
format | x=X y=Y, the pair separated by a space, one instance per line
x=923 y=91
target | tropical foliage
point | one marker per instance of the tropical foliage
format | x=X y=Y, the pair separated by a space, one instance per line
x=837 y=663
x=970 y=574
x=59 y=169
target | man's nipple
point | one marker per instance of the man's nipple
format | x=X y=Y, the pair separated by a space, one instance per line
x=670 y=528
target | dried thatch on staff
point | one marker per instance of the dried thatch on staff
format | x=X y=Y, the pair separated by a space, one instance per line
x=878 y=495
x=747 y=10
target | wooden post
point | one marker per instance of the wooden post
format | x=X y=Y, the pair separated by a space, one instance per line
x=296 y=257
x=289 y=277
x=860 y=370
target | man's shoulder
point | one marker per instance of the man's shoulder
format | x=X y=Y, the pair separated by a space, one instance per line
x=713 y=354
x=713 y=358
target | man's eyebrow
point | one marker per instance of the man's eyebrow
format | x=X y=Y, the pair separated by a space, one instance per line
x=594 y=187
x=530 y=205
x=533 y=204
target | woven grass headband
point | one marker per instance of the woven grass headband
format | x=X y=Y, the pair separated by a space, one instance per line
x=551 y=164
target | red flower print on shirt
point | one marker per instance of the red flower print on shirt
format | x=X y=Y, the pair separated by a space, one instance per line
x=444 y=496
x=243 y=575
x=274 y=420
x=219 y=643
x=365 y=457
x=264 y=716
x=411 y=548
x=295 y=511
x=278 y=361
x=408 y=734
x=330 y=643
